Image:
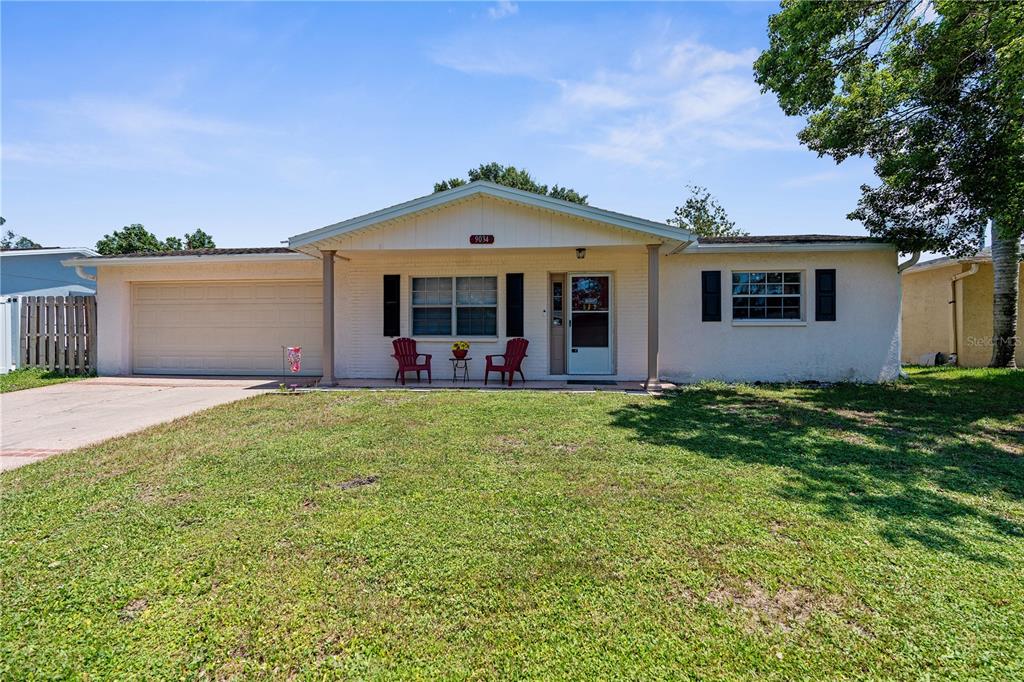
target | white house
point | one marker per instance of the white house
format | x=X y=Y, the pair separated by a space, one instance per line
x=599 y=295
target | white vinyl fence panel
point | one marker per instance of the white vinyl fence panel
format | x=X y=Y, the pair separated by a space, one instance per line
x=9 y=318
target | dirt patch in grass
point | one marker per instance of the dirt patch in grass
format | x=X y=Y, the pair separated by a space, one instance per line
x=152 y=494
x=358 y=482
x=133 y=610
x=785 y=609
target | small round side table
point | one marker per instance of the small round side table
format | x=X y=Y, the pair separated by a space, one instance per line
x=460 y=363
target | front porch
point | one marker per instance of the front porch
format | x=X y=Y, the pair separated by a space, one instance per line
x=484 y=263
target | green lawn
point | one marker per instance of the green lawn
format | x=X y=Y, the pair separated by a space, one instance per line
x=31 y=377
x=719 y=532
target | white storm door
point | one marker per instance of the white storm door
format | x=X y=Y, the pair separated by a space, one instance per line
x=590 y=324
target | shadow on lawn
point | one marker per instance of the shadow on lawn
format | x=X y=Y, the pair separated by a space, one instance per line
x=901 y=453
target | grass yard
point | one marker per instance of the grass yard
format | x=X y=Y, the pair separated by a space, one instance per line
x=719 y=532
x=31 y=377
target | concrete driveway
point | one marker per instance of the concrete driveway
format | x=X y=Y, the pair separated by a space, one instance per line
x=40 y=422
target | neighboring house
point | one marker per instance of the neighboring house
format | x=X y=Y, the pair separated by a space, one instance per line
x=38 y=272
x=600 y=295
x=947 y=308
x=35 y=272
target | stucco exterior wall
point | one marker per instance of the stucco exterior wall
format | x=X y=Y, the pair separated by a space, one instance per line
x=927 y=314
x=362 y=351
x=113 y=296
x=861 y=345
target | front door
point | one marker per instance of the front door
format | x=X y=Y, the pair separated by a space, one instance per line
x=590 y=324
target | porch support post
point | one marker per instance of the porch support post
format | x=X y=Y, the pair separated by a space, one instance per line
x=652 y=315
x=328 y=310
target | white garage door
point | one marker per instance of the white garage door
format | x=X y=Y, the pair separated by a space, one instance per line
x=231 y=327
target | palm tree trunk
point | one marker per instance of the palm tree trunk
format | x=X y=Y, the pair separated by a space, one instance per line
x=1006 y=271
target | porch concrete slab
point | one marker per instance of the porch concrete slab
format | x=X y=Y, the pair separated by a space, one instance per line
x=447 y=385
x=40 y=422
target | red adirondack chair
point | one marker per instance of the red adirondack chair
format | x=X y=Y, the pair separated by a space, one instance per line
x=511 y=361
x=408 y=359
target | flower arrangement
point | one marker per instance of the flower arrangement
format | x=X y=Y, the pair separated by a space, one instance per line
x=460 y=348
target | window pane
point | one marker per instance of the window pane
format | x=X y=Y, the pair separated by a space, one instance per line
x=431 y=290
x=477 y=321
x=590 y=330
x=792 y=277
x=590 y=293
x=774 y=277
x=757 y=277
x=476 y=290
x=431 y=321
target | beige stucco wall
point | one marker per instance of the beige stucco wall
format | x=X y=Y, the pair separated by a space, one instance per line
x=927 y=316
x=861 y=345
x=927 y=320
x=113 y=296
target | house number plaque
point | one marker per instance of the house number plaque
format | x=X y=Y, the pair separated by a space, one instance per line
x=481 y=239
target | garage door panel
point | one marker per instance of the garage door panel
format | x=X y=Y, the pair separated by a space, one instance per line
x=224 y=327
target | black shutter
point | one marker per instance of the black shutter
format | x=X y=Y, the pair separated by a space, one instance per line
x=513 y=304
x=825 y=295
x=392 y=307
x=711 y=296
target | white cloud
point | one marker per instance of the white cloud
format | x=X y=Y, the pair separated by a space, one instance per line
x=503 y=8
x=665 y=101
x=131 y=116
x=127 y=133
x=596 y=95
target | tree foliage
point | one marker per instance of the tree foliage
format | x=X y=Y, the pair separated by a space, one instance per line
x=10 y=240
x=510 y=176
x=135 y=238
x=933 y=92
x=199 y=240
x=704 y=216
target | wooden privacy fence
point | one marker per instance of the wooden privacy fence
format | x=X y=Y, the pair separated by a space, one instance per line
x=58 y=333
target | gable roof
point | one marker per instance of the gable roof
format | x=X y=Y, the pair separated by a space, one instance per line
x=484 y=188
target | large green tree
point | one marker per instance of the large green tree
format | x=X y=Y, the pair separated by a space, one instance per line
x=510 y=176
x=933 y=92
x=704 y=216
x=135 y=238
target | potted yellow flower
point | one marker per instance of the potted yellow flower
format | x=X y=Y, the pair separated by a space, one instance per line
x=460 y=348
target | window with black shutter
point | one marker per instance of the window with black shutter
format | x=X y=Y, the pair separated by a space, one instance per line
x=392 y=305
x=513 y=304
x=825 y=295
x=711 y=296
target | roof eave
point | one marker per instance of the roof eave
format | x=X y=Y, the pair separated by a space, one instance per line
x=769 y=247
x=220 y=258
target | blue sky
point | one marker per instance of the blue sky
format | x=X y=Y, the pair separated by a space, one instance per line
x=259 y=121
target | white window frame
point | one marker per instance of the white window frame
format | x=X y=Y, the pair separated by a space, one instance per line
x=454 y=305
x=801 y=320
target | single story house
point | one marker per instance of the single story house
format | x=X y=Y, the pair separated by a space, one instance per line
x=947 y=308
x=36 y=271
x=600 y=295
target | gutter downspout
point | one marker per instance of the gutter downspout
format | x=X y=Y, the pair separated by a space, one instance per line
x=910 y=263
x=955 y=303
x=80 y=271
